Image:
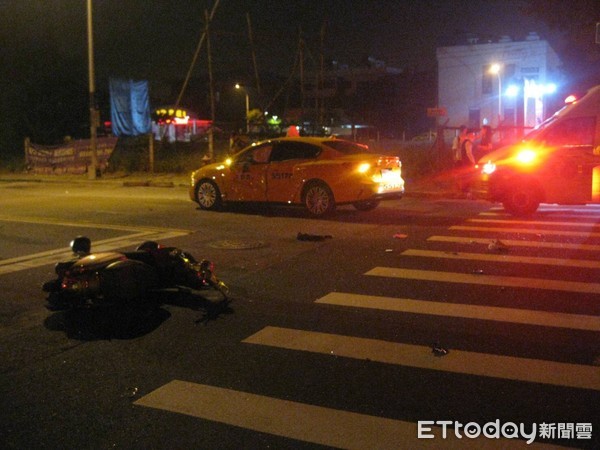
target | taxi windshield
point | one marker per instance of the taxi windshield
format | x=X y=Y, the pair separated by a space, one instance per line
x=347 y=147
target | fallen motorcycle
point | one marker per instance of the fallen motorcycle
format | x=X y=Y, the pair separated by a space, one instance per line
x=102 y=279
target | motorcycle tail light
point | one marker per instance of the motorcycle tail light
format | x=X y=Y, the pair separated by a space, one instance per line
x=80 y=284
x=72 y=284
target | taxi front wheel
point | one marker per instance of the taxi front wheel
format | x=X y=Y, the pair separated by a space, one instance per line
x=208 y=195
x=521 y=200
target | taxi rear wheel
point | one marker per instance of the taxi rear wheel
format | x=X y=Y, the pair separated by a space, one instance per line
x=318 y=199
x=208 y=195
x=522 y=200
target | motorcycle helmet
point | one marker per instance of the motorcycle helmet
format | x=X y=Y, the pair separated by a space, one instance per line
x=81 y=245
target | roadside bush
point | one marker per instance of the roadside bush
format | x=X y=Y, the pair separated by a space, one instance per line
x=132 y=154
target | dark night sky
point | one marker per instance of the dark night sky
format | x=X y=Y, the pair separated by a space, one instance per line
x=147 y=39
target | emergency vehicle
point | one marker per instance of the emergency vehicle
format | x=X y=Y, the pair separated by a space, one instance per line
x=557 y=162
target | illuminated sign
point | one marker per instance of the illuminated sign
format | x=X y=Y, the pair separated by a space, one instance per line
x=168 y=115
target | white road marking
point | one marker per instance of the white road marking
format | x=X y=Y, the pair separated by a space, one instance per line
x=307 y=423
x=498 y=314
x=526 y=231
x=516 y=243
x=581 y=263
x=50 y=221
x=456 y=361
x=537 y=222
x=483 y=279
x=137 y=236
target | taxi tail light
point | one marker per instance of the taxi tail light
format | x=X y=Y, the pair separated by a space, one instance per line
x=363 y=168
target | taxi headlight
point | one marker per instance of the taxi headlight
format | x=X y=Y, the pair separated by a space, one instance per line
x=488 y=168
x=526 y=157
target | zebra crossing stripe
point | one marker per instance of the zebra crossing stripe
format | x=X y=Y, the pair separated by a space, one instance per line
x=516 y=243
x=537 y=222
x=456 y=361
x=555 y=215
x=525 y=231
x=304 y=422
x=482 y=279
x=522 y=316
x=581 y=263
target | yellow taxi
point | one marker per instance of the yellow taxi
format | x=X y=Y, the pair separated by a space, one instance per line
x=317 y=173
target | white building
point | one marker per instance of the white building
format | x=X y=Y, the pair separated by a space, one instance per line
x=515 y=95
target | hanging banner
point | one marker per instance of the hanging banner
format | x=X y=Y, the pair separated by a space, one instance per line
x=73 y=157
x=129 y=107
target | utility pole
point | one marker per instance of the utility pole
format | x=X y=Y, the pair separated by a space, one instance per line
x=301 y=57
x=195 y=57
x=251 y=38
x=92 y=96
x=211 y=151
x=321 y=112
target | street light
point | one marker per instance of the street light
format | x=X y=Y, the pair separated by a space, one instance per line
x=495 y=69
x=239 y=87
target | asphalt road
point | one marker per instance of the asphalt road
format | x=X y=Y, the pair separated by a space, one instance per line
x=326 y=344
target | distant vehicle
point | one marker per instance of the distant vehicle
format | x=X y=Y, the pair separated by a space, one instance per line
x=318 y=173
x=557 y=162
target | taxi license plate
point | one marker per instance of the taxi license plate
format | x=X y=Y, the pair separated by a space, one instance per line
x=390 y=180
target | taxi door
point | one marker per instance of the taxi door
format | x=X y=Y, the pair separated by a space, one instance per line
x=248 y=175
x=282 y=182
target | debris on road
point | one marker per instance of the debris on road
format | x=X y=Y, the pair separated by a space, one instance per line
x=312 y=237
x=497 y=246
x=438 y=350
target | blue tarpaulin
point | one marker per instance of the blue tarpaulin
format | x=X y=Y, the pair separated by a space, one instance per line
x=129 y=107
